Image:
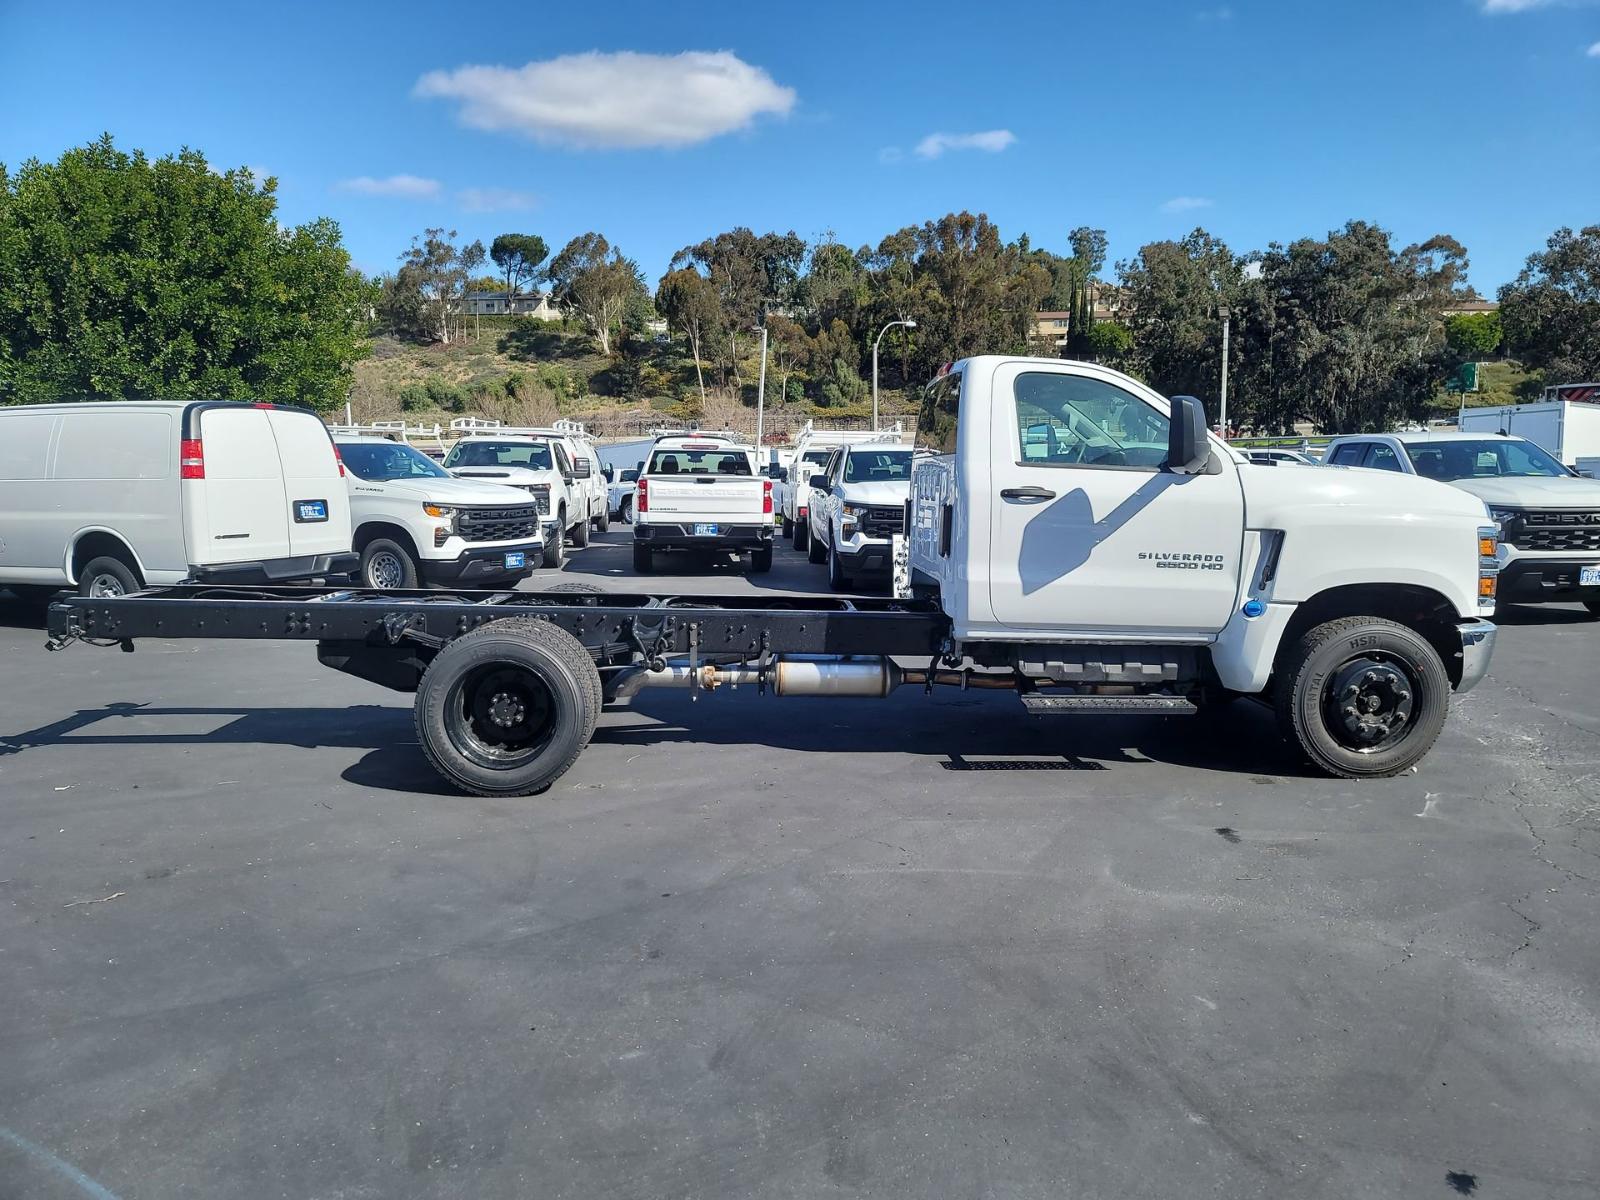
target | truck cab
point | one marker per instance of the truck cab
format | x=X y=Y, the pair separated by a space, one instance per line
x=858 y=505
x=544 y=465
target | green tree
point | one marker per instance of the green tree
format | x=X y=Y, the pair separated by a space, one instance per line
x=1109 y=343
x=750 y=274
x=123 y=277
x=1551 y=312
x=435 y=272
x=518 y=256
x=598 y=283
x=1171 y=292
x=689 y=303
x=1473 y=336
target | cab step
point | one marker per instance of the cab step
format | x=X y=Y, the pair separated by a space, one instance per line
x=1170 y=706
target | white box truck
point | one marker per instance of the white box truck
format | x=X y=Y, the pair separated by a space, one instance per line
x=1565 y=427
x=112 y=496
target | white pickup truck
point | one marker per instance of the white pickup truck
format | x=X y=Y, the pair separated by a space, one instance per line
x=701 y=493
x=550 y=469
x=813 y=447
x=1076 y=540
x=858 y=504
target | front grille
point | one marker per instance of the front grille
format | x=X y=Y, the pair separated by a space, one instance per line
x=499 y=524
x=1554 y=530
x=884 y=522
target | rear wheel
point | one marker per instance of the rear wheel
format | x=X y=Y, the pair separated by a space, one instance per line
x=816 y=552
x=1594 y=608
x=506 y=709
x=761 y=560
x=1363 y=697
x=802 y=535
x=555 y=545
x=644 y=562
x=788 y=528
x=106 y=576
x=386 y=565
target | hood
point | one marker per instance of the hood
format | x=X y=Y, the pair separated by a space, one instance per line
x=1547 y=491
x=456 y=491
x=1270 y=491
x=889 y=493
x=516 y=476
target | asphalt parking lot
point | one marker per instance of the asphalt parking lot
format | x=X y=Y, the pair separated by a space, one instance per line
x=929 y=947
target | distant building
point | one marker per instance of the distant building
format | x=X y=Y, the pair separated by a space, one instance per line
x=1053 y=327
x=1466 y=308
x=527 y=304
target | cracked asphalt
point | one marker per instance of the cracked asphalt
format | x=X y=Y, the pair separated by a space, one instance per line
x=929 y=947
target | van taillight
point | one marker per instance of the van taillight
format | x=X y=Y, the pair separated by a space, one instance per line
x=766 y=497
x=642 y=496
x=338 y=458
x=191 y=459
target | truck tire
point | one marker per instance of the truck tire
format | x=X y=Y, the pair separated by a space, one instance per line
x=555 y=546
x=816 y=552
x=106 y=576
x=387 y=566
x=802 y=534
x=1363 y=698
x=603 y=521
x=837 y=579
x=788 y=528
x=627 y=510
x=506 y=709
x=761 y=560
x=580 y=533
x=1594 y=608
x=644 y=561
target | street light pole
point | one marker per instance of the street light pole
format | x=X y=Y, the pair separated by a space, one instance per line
x=1226 y=314
x=909 y=324
x=761 y=396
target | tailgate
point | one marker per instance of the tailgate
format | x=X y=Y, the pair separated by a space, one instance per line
x=707 y=498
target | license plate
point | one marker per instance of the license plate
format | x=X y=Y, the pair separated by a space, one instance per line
x=1589 y=576
x=515 y=562
x=310 y=510
x=705 y=530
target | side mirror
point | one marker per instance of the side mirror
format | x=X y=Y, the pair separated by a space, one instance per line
x=580 y=469
x=820 y=482
x=608 y=474
x=1188 y=450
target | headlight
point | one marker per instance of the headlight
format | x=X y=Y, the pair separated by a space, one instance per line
x=855 y=512
x=438 y=510
x=1502 y=515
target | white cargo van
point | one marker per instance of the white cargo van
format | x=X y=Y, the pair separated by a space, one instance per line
x=109 y=497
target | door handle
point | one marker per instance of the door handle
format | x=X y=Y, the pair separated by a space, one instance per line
x=1027 y=493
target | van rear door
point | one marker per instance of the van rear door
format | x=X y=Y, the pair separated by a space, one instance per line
x=319 y=500
x=239 y=511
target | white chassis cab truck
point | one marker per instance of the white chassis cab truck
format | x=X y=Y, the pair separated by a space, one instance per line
x=1075 y=539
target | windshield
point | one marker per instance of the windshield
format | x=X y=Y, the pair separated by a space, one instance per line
x=699 y=462
x=817 y=457
x=1487 y=459
x=389 y=461
x=534 y=456
x=870 y=466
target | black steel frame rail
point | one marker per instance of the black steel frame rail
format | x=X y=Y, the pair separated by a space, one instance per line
x=616 y=626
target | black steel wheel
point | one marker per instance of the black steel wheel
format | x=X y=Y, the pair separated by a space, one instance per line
x=1363 y=697
x=506 y=709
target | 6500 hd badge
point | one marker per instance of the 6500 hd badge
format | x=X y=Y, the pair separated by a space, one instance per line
x=1183 y=562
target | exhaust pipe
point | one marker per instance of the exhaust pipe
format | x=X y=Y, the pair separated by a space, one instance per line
x=869 y=677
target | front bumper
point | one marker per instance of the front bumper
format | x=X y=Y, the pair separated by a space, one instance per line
x=1477 y=648
x=483 y=563
x=866 y=556
x=1531 y=579
x=668 y=536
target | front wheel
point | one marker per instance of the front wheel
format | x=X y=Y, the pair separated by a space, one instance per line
x=837 y=579
x=506 y=709
x=627 y=510
x=603 y=521
x=816 y=552
x=555 y=543
x=387 y=566
x=1363 y=697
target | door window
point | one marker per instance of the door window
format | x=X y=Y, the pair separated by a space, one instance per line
x=1348 y=455
x=1078 y=421
x=1382 y=458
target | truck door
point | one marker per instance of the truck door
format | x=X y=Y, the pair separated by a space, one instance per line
x=237 y=510
x=1087 y=532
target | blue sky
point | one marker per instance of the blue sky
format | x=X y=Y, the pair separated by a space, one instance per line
x=658 y=124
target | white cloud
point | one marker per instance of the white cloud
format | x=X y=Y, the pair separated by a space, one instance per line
x=412 y=187
x=1516 y=6
x=493 y=199
x=1207 y=16
x=625 y=100
x=1180 y=204
x=991 y=141
x=1593 y=51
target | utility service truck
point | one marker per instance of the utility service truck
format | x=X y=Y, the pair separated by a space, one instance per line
x=1075 y=539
